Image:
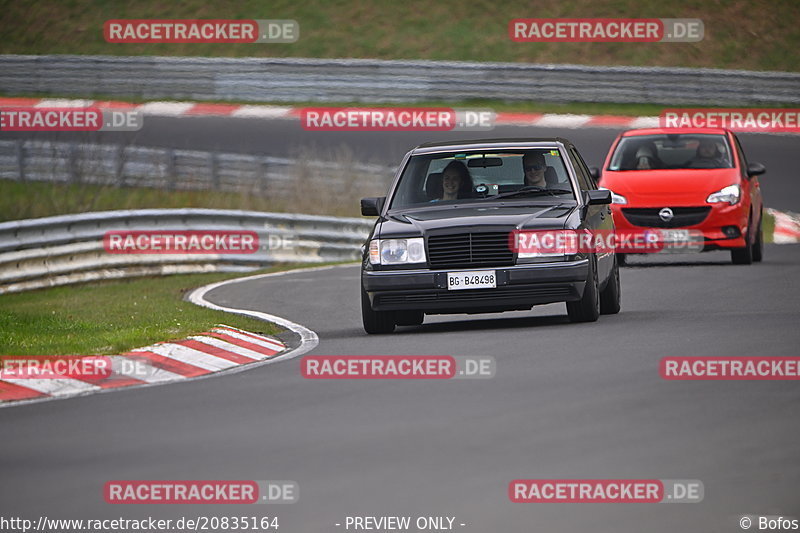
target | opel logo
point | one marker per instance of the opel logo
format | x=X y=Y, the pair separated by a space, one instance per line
x=666 y=214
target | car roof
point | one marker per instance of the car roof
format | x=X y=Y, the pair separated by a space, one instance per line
x=477 y=144
x=661 y=131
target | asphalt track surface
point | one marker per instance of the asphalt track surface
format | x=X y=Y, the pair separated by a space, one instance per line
x=572 y=401
x=568 y=401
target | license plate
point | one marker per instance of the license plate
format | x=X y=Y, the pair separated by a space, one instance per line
x=674 y=235
x=483 y=279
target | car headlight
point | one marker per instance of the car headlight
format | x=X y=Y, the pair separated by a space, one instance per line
x=730 y=194
x=540 y=244
x=616 y=198
x=397 y=251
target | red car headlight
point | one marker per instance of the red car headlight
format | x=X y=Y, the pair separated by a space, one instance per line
x=730 y=194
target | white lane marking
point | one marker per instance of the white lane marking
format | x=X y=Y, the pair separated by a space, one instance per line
x=166 y=109
x=644 y=122
x=229 y=347
x=562 y=121
x=308 y=338
x=787 y=227
x=189 y=356
x=141 y=369
x=63 y=102
x=55 y=387
x=262 y=111
x=266 y=343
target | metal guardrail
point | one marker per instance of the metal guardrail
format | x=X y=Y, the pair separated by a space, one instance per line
x=67 y=249
x=370 y=80
x=167 y=168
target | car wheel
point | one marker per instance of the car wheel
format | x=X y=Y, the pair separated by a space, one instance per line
x=587 y=309
x=375 y=321
x=743 y=256
x=621 y=259
x=758 y=246
x=610 y=296
x=409 y=318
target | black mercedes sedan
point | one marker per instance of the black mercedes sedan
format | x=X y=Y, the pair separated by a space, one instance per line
x=485 y=226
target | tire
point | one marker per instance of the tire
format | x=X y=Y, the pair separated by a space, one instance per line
x=375 y=321
x=758 y=245
x=610 y=302
x=587 y=309
x=743 y=256
x=409 y=318
x=621 y=259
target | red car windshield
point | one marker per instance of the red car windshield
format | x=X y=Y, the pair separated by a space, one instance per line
x=672 y=151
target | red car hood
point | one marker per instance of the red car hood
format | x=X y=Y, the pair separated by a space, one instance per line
x=675 y=187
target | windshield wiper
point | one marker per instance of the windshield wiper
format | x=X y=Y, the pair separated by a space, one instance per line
x=531 y=190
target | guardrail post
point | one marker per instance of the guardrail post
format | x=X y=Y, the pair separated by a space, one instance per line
x=72 y=163
x=214 y=170
x=119 y=166
x=21 y=159
x=262 y=170
x=171 y=171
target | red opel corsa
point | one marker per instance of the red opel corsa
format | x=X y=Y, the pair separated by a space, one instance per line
x=683 y=180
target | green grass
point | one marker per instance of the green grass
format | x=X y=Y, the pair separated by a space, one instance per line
x=768 y=226
x=20 y=200
x=756 y=34
x=107 y=318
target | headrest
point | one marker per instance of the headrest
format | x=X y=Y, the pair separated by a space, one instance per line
x=433 y=186
x=550 y=176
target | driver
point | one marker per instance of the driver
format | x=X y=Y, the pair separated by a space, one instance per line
x=646 y=157
x=534 y=165
x=708 y=155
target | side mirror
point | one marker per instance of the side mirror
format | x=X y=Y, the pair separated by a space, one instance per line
x=597 y=197
x=372 y=207
x=755 y=169
x=595 y=172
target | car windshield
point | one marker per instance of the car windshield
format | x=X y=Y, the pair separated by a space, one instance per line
x=672 y=151
x=478 y=176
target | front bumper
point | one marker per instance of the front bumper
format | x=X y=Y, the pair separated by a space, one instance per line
x=518 y=287
x=719 y=217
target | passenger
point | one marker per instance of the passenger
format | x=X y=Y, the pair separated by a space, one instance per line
x=456 y=181
x=534 y=166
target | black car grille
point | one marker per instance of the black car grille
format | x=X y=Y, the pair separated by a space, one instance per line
x=466 y=250
x=682 y=216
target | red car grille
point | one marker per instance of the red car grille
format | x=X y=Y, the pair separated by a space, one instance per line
x=681 y=216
